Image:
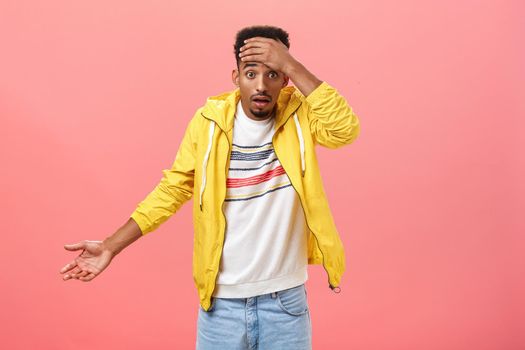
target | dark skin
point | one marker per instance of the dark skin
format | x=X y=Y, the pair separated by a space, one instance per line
x=95 y=256
x=265 y=67
x=258 y=82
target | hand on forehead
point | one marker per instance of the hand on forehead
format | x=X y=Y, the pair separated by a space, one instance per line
x=270 y=52
x=257 y=41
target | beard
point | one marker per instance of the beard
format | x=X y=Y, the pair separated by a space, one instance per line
x=262 y=114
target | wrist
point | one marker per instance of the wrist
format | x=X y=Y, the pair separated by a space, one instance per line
x=292 y=67
x=109 y=247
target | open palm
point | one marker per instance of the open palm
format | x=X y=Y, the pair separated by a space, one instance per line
x=93 y=259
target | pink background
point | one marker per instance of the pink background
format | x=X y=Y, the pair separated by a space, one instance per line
x=95 y=96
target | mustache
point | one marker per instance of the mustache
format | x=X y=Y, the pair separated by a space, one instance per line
x=264 y=96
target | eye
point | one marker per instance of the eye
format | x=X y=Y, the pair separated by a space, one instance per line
x=250 y=74
x=273 y=75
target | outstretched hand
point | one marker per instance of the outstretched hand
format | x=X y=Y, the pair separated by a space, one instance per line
x=93 y=259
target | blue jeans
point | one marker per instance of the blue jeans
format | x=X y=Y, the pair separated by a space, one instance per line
x=278 y=320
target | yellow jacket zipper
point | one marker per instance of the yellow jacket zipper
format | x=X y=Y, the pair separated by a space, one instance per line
x=222 y=209
x=306 y=219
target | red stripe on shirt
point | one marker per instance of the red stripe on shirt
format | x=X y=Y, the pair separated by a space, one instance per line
x=254 y=180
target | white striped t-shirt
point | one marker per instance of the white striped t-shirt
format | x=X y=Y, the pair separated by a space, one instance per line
x=265 y=247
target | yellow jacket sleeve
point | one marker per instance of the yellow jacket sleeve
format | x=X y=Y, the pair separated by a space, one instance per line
x=332 y=122
x=175 y=187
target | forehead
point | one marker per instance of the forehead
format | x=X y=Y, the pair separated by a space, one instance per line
x=254 y=65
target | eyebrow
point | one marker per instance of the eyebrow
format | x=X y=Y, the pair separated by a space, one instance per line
x=249 y=65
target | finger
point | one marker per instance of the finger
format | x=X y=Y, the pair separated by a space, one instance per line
x=254 y=58
x=68 y=267
x=82 y=274
x=252 y=51
x=88 y=277
x=251 y=45
x=268 y=43
x=75 y=246
x=75 y=271
x=258 y=39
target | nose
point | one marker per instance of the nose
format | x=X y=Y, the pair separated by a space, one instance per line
x=260 y=84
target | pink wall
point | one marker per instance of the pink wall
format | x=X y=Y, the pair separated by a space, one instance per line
x=95 y=96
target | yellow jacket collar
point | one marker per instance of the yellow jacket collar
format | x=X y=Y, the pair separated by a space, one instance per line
x=221 y=108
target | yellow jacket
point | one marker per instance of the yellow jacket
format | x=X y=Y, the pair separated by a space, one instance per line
x=201 y=168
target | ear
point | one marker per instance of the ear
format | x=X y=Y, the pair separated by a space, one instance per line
x=235 y=77
x=286 y=80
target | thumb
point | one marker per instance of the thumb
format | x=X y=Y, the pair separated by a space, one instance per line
x=75 y=246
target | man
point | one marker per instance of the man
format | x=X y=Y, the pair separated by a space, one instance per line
x=260 y=212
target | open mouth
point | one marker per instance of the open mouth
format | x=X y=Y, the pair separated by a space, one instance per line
x=261 y=101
